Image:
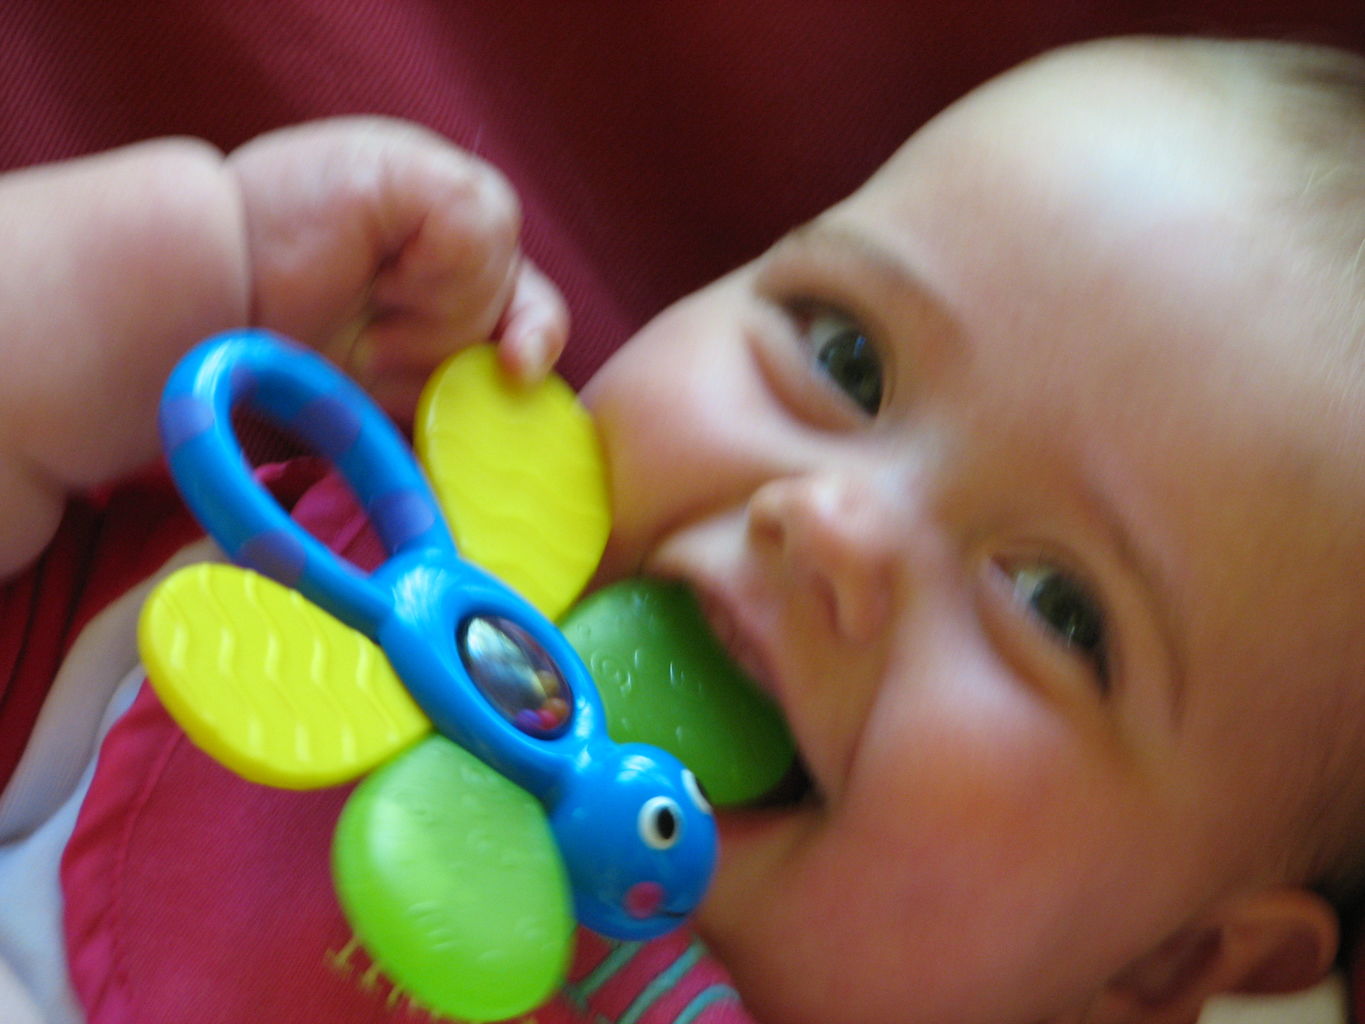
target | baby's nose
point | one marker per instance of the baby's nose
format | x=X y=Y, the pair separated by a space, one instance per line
x=833 y=532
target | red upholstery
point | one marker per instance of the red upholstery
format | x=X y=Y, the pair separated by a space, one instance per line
x=655 y=144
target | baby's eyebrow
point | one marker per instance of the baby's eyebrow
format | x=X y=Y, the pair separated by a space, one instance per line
x=886 y=271
x=879 y=257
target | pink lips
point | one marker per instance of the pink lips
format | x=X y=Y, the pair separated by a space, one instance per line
x=728 y=632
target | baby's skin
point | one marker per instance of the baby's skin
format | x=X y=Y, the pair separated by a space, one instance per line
x=1028 y=481
x=375 y=241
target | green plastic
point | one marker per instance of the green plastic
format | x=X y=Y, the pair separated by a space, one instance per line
x=665 y=680
x=450 y=877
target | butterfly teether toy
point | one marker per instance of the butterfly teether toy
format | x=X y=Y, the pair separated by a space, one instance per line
x=495 y=808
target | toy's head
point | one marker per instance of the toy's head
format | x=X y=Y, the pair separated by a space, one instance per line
x=638 y=839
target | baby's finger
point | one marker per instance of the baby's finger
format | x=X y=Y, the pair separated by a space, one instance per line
x=456 y=268
x=534 y=327
x=397 y=393
x=356 y=219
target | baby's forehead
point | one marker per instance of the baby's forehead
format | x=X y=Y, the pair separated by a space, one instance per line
x=1062 y=132
x=1219 y=87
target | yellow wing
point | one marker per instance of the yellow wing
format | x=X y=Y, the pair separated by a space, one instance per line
x=268 y=683
x=520 y=475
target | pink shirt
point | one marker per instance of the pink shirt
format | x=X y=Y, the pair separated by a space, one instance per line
x=186 y=894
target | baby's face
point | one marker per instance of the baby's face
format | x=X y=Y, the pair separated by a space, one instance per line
x=1003 y=480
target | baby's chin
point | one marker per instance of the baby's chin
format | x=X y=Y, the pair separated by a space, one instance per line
x=769 y=984
x=744 y=912
x=755 y=975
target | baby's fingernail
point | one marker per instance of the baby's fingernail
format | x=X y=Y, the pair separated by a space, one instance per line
x=530 y=357
x=538 y=345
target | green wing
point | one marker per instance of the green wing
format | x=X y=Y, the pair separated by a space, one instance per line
x=664 y=679
x=451 y=878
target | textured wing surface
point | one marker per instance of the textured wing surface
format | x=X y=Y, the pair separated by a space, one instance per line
x=268 y=683
x=450 y=876
x=665 y=679
x=520 y=475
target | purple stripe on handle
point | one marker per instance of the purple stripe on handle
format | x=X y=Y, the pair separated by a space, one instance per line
x=276 y=553
x=183 y=419
x=401 y=516
x=242 y=381
x=330 y=424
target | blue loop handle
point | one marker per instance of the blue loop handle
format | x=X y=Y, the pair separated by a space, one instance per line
x=298 y=391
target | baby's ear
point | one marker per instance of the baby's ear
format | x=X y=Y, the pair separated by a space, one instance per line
x=1276 y=940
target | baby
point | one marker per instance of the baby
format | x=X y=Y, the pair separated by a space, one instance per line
x=1028 y=480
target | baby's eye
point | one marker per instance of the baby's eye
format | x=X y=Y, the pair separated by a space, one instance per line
x=1068 y=611
x=845 y=354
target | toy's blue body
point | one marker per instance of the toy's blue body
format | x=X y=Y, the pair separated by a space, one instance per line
x=492 y=673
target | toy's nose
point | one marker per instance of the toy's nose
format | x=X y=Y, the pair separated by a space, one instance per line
x=643 y=899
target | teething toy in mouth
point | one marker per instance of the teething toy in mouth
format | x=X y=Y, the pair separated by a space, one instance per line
x=665 y=680
x=497 y=806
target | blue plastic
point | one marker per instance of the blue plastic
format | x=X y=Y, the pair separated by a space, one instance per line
x=637 y=837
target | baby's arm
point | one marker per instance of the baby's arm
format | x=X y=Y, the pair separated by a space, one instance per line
x=114 y=265
x=374 y=241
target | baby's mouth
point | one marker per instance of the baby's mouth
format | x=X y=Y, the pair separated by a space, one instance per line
x=794 y=789
x=742 y=652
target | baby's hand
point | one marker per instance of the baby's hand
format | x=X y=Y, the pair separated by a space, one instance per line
x=388 y=248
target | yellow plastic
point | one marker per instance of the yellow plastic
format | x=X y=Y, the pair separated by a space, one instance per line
x=520 y=474
x=268 y=683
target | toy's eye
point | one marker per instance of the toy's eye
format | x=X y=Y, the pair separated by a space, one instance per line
x=694 y=789
x=660 y=823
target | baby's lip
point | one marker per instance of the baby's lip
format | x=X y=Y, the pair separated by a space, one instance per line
x=741 y=640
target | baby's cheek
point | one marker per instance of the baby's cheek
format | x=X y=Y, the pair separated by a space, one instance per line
x=628 y=406
x=820 y=930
